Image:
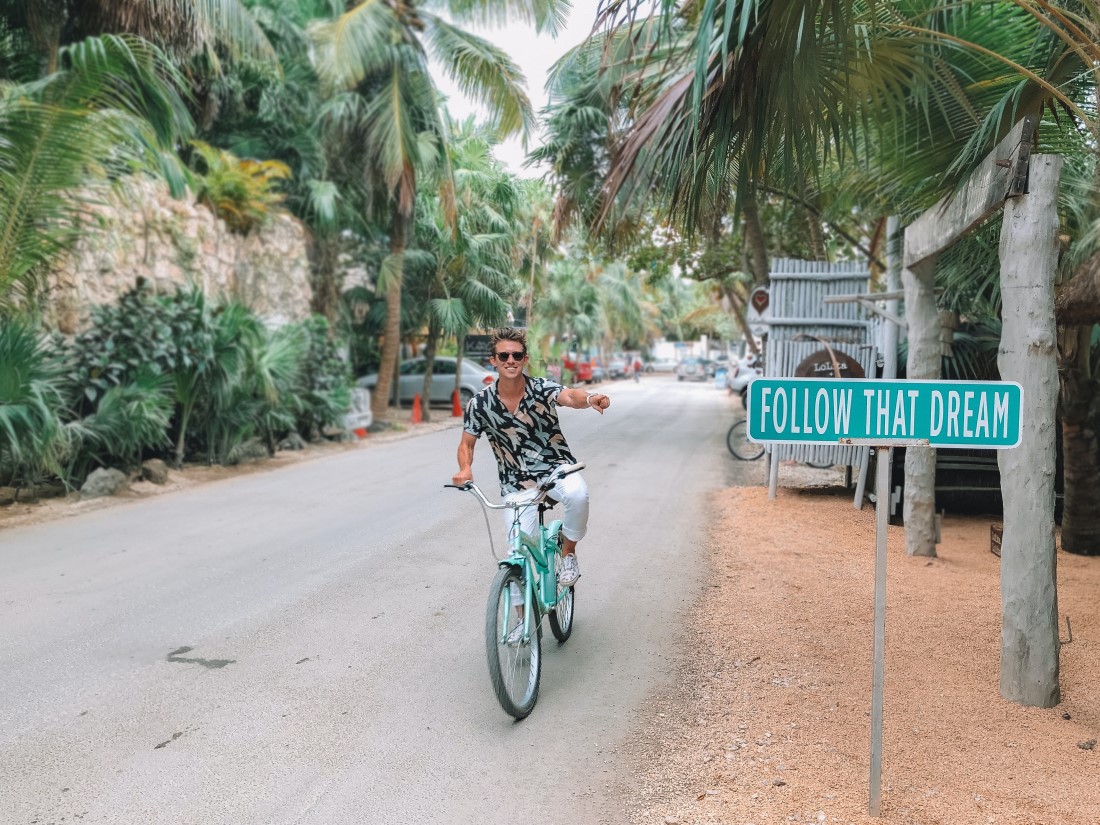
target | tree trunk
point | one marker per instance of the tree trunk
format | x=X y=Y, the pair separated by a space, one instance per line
x=1080 y=446
x=923 y=363
x=45 y=19
x=754 y=233
x=813 y=223
x=391 y=343
x=429 y=368
x=1029 y=593
x=324 y=254
x=739 y=310
x=460 y=341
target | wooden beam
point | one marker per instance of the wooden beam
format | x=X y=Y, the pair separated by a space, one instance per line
x=1002 y=174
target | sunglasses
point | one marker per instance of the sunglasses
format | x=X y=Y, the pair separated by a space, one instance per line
x=515 y=356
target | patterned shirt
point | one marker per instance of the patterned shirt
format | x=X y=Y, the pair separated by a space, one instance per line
x=529 y=443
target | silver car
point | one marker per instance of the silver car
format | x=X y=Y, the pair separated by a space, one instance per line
x=411 y=379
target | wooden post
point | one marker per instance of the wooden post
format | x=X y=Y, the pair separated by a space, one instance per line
x=1002 y=173
x=1029 y=595
x=923 y=362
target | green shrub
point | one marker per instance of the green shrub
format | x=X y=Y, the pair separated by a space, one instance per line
x=32 y=437
x=128 y=420
x=138 y=332
x=325 y=387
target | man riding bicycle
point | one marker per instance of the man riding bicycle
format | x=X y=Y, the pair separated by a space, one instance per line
x=519 y=415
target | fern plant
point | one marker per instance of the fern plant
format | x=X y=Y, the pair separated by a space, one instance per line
x=31 y=400
x=243 y=193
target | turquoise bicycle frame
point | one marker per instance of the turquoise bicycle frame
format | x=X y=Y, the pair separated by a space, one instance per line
x=530 y=555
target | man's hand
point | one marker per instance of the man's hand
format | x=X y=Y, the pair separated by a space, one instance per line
x=598 y=402
x=463 y=476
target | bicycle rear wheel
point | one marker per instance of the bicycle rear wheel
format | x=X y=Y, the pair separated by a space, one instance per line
x=737 y=440
x=514 y=668
x=561 y=617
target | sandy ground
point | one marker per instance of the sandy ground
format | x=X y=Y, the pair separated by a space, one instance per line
x=769 y=717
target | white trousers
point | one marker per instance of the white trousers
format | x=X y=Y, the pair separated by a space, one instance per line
x=571 y=491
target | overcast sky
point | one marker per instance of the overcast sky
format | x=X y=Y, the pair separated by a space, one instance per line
x=534 y=54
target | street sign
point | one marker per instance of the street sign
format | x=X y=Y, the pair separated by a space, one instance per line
x=937 y=413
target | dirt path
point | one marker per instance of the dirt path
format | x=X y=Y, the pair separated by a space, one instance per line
x=769 y=719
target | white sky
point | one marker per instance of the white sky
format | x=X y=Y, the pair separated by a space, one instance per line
x=534 y=54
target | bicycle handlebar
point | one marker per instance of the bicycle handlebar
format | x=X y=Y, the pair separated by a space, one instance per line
x=544 y=487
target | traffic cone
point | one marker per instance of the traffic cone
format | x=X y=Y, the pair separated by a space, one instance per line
x=456 y=404
x=417 y=415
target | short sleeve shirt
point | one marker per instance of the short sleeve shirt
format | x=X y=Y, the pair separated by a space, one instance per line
x=528 y=444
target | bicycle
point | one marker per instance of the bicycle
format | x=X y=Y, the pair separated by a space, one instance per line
x=523 y=591
x=737 y=441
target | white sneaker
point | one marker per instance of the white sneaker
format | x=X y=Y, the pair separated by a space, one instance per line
x=515 y=635
x=570 y=571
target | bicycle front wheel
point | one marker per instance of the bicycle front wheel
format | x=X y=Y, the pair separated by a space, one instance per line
x=737 y=440
x=515 y=661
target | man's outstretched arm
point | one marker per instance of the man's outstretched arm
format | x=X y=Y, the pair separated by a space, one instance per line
x=465 y=459
x=580 y=400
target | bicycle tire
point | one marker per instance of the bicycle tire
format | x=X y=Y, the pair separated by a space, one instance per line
x=561 y=616
x=737 y=442
x=517 y=696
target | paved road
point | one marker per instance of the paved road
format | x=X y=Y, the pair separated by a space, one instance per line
x=304 y=646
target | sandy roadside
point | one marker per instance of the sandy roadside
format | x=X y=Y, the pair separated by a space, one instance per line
x=768 y=720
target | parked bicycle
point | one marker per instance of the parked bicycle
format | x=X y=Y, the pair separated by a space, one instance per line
x=524 y=590
x=737 y=441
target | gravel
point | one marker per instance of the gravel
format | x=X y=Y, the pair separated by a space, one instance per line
x=767 y=720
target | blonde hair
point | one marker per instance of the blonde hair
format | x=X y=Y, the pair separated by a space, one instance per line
x=519 y=336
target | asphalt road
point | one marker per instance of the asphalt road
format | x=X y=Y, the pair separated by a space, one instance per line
x=304 y=645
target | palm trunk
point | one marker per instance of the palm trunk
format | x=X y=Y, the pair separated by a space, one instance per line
x=45 y=19
x=391 y=343
x=1080 y=445
x=460 y=348
x=813 y=223
x=326 y=292
x=754 y=233
x=739 y=310
x=924 y=362
x=429 y=367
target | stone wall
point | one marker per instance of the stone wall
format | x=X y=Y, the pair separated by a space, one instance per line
x=143 y=232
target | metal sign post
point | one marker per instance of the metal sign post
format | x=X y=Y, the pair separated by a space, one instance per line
x=884 y=414
x=878 y=656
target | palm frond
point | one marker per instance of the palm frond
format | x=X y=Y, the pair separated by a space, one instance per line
x=484 y=73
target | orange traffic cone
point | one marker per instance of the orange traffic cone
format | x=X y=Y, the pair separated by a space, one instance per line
x=417 y=415
x=456 y=404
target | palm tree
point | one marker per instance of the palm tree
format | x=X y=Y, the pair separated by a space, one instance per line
x=374 y=59
x=470 y=260
x=183 y=27
x=112 y=103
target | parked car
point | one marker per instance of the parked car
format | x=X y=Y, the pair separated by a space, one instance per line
x=411 y=379
x=618 y=368
x=599 y=372
x=660 y=365
x=581 y=368
x=692 y=369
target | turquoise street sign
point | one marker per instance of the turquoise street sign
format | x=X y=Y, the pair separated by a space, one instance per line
x=868 y=411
